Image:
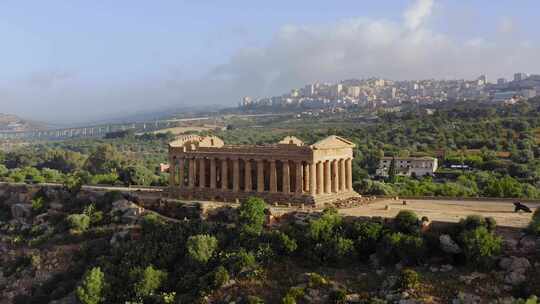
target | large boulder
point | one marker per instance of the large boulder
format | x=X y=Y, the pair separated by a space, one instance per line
x=448 y=245
x=21 y=211
x=513 y=263
x=119 y=237
x=516 y=268
x=528 y=244
x=466 y=298
x=515 y=278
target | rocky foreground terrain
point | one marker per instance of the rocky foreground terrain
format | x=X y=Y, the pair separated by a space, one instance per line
x=50 y=236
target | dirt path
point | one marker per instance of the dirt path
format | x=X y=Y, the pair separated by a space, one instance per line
x=447 y=210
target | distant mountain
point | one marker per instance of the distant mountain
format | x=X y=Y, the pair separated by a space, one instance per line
x=13 y=123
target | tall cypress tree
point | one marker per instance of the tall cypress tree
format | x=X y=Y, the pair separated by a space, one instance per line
x=392 y=171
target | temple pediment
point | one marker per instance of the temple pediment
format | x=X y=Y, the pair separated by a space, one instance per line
x=291 y=140
x=194 y=141
x=332 y=142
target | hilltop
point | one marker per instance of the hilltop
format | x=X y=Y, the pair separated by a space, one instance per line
x=13 y=123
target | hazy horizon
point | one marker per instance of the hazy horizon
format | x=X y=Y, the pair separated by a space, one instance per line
x=66 y=62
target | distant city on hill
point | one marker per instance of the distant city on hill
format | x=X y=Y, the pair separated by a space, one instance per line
x=378 y=92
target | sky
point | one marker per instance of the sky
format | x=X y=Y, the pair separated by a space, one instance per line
x=68 y=61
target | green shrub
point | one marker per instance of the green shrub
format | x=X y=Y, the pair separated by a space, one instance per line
x=94 y=215
x=221 y=276
x=78 y=222
x=367 y=236
x=288 y=299
x=322 y=229
x=397 y=246
x=240 y=260
x=91 y=289
x=338 y=296
x=201 y=247
x=342 y=248
x=530 y=300
x=406 y=222
x=409 y=279
x=472 y=222
x=254 y=300
x=73 y=184
x=105 y=179
x=292 y=295
x=38 y=205
x=282 y=243
x=480 y=245
x=149 y=281
x=316 y=280
x=491 y=223
x=251 y=216
x=534 y=225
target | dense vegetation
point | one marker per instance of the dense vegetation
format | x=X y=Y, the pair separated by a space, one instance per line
x=123 y=159
x=189 y=261
x=496 y=148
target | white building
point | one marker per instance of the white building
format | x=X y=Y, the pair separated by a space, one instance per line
x=520 y=76
x=335 y=91
x=353 y=91
x=408 y=166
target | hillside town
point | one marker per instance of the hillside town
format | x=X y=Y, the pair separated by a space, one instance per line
x=378 y=92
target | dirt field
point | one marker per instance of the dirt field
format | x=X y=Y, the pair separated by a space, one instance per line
x=447 y=210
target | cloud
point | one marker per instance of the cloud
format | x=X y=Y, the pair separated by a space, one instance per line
x=297 y=54
x=363 y=47
x=506 y=25
x=416 y=14
x=48 y=79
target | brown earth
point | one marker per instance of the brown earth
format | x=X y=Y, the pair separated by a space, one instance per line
x=446 y=210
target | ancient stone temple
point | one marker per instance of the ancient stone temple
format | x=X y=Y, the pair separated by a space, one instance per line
x=203 y=167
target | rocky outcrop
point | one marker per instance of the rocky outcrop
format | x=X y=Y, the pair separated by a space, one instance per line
x=515 y=268
x=448 y=245
x=466 y=298
x=129 y=212
x=21 y=212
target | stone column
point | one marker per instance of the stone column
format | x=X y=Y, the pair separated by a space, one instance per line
x=172 y=171
x=307 y=177
x=273 y=176
x=247 y=176
x=335 y=176
x=181 y=172
x=312 y=178
x=349 y=174
x=286 y=177
x=191 y=174
x=327 y=177
x=299 y=178
x=224 y=175
x=212 y=173
x=320 y=178
x=202 y=173
x=260 y=175
x=342 y=178
x=236 y=175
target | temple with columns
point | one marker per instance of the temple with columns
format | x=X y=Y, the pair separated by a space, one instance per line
x=204 y=168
